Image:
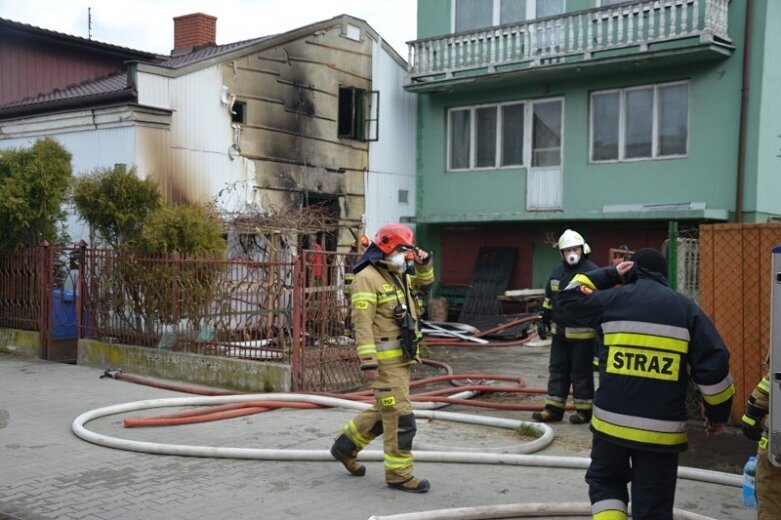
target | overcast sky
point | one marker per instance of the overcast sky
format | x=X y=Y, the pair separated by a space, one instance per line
x=147 y=25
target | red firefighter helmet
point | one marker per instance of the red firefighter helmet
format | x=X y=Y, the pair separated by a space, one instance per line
x=391 y=236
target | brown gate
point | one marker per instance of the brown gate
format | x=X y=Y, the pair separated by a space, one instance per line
x=323 y=350
x=735 y=280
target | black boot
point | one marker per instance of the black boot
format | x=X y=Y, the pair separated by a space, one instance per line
x=411 y=485
x=344 y=451
x=545 y=416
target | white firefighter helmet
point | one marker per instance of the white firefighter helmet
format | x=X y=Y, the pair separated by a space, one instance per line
x=572 y=238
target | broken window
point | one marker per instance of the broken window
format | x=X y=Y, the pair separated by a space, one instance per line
x=238 y=112
x=358 y=114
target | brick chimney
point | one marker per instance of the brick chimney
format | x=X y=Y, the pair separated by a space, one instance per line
x=193 y=30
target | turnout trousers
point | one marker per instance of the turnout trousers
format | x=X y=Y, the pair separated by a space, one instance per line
x=768 y=488
x=390 y=416
x=570 y=364
x=652 y=474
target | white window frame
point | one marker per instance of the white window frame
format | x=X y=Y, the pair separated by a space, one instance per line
x=496 y=14
x=528 y=121
x=622 y=124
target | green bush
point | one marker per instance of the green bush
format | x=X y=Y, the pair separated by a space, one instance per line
x=189 y=230
x=33 y=187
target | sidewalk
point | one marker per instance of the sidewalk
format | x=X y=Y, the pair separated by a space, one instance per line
x=46 y=472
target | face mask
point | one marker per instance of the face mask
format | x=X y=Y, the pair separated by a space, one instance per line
x=572 y=258
x=397 y=261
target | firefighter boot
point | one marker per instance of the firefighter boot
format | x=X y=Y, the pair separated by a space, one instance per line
x=580 y=418
x=545 y=416
x=348 y=460
x=411 y=485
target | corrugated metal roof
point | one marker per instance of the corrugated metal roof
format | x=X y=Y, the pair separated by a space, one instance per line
x=206 y=52
x=39 y=31
x=111 y=84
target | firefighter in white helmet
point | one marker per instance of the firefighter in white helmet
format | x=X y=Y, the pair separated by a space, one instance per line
x=572 y=348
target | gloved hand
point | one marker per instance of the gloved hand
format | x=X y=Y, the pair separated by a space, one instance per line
x=752 y=432
x=543 y=328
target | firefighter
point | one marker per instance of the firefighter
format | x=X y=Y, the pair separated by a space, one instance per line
x=384 y=317
x=768 y=477
x=654 y=339
x=572 y=348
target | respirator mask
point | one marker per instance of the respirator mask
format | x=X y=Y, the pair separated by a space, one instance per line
x=397 y=261
x=572 y=258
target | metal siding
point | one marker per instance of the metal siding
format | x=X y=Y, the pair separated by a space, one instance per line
x=153 y=90
x=391 y=158
x=31 y=68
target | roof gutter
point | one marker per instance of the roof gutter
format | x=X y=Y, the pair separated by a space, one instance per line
x=86 y=101
x=744 y=97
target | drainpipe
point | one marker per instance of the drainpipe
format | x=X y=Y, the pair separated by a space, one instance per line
x=748 y=34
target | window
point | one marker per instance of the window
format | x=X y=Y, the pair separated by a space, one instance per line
x=638 y=123
x=546 y=139
x=239 y=112
x=403 y=196
x=487 y=136
x=358 y=114
x=475 y=14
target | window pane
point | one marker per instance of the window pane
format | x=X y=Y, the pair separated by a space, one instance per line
x=673 y=119
x=473 y=14
x=485 y=153
x=512 y=135
x=604 y=133
x=549 y=8
x=459 y=139
x=639 y=108
x=612 y=2
x=513 y=11
x=546 y=134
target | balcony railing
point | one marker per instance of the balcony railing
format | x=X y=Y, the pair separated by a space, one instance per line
x=578 y=35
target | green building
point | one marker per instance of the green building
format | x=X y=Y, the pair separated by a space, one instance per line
x=613 y=118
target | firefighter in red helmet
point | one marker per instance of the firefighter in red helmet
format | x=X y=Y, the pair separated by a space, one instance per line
x=384 y=315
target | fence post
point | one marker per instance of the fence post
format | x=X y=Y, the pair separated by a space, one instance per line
x=175 y=293
x=298 y=303
x=45 y=276
x=81 y=248
x=672 y=254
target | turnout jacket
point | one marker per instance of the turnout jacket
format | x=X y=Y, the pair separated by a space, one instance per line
x=654 y=338
x=560 y=277
x=757 y=408
x=374 y=293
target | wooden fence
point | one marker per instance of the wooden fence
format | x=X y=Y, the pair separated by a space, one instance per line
x=735 y=281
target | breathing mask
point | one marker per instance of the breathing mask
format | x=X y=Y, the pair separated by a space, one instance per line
x=397 y=260
x=572 y=258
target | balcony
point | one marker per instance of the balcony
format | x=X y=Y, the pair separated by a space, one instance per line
x=658 y=32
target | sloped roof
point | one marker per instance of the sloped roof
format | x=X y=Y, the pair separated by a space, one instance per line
x=205 y=52
x=113 y=85
x=6 y=24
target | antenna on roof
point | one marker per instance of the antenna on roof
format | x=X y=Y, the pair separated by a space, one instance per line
x=89 y=23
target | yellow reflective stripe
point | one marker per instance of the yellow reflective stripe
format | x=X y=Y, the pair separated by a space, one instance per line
x=764 y=385
x=366 y=349
x=424 y=275
x=397 y=462
x=556 y=404
x=584 y=280
x=748 y=420
x=547 y=304
x=393 y=297
x=363 y=297
x=352 y=432
x=583 y=406
x=647 y=340
x=638 y=435
x=579 y=335
x=720 y=397
x=388 y=354
x=763 y=443
x=610 y=514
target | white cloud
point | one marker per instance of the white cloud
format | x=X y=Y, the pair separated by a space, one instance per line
x=148 y=24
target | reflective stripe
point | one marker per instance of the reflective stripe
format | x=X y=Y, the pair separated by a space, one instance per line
x=583 y=280
x=583 y=406
x=390 y=354
x=553 y=328
x=389 y=350
x=352 y=433
x=639 y=429
x=764 y=385
x=718 y=393
x=642 y=327
x=644 y=423
x=763 y=443
x=644 y=340
x=555 y=401
x=397 y=296
x=397 y=462
x=365 y=349
x=610 y=504
x=546 y=304
x=579 y=333
x=424 y=276
x=610 y=514
x=748 y=420
x=554 y=285
x=721 y=397
x=363 y=297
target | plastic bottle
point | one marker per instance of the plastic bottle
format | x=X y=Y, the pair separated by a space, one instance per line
x=749 y=483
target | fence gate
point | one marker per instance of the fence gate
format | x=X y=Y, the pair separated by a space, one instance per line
x=323 y=350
